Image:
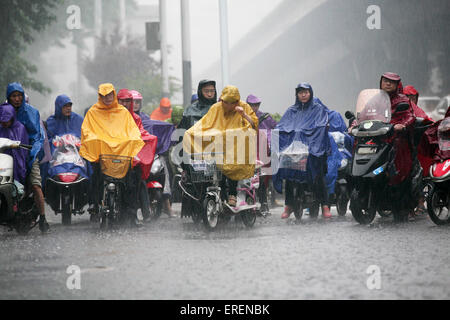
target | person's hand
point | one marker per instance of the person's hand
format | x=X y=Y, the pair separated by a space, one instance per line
x=239 y=110
x=399 y=127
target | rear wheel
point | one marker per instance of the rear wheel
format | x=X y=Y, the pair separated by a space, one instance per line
x=298 y=210
x=314 y=210
x=438 y=207
x=342 y=204
x=156 y=203
x=362 y=216
x=211 y=214
x=249 y=216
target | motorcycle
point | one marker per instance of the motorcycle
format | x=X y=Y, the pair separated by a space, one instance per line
x=295 y=157
x=373 y=158
x=438 y=195
x=114 y=171
x=205 y=197
x=342 y=189
x=155 y=187
x=17 y=210
x=66 y=189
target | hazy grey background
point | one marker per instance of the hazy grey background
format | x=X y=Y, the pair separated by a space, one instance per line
x=275 y=44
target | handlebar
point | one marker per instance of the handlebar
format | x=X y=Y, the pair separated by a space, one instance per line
x=26 y=146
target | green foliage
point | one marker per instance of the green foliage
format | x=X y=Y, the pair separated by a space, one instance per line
x=21 y=21
x=177 y=115
x=276 y=117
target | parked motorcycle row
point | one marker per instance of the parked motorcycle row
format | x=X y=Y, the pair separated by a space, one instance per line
x=361 y=182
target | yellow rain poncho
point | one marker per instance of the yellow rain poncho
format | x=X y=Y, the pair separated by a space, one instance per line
x=228 y=133
x=109 y=130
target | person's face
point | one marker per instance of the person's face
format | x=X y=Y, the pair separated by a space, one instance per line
x=67 y=110
x=126 y=102
x=16 y=99
x=137 y=105
x=7 y=124
x=388 y=85
x=304 y=95
x=230 y=106
x=413 y=98
x=209 y=91
x=255 y=106
x=108 y=99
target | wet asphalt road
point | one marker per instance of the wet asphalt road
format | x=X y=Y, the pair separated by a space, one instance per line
x=277 y=259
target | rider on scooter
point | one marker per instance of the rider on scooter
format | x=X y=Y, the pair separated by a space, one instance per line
x=143 y=163
x=229 y=115
x=30 y=118
x=266 y=125
x=207 y=96
x=108 y=129
x=12 y=129
x=307 y=122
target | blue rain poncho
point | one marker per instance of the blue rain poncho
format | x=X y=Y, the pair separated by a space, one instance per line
x=30 y=118
x=65 y=156
x=303 y=128
x=341 y=148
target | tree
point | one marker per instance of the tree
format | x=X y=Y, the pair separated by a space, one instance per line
x=129 y=66
x=21 y=21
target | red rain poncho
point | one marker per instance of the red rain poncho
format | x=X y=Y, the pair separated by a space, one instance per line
x=401 y=140
x=147 y=154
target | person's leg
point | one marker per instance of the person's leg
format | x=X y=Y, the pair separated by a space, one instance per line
x=262 y=194
x=95 y=189
x=167 y=205
x=289 y=199
x=232 y=192
x=321 y=190
x=38 y=195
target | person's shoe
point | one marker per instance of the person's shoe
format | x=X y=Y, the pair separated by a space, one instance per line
x=231 y=201
x=287 y=212
x=326 y=212
x=265 y=210
x=43 y=224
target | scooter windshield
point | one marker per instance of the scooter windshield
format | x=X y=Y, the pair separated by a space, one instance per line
x=66 y=151
x=444 y=135
x=373 y=104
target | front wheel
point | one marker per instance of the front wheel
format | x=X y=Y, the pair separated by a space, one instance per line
x=438 y=208
x=362 y=216
x=298 y=210
x=249 y=216
x=211 y=213
x=314 y=210
x=342 y=205
x=156 y=203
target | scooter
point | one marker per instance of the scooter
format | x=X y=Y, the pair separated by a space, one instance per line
x=372 y=161
x=114 y=171
x=438 y=196
x=201 y=185
x=155 y=187
x=17 y=211
x=66 y=192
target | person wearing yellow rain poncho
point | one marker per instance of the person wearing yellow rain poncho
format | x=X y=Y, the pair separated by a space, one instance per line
x=108 y=129
x=229 y=127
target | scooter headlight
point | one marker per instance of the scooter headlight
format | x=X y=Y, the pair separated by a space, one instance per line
x=111 y=187
x=157 y=166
